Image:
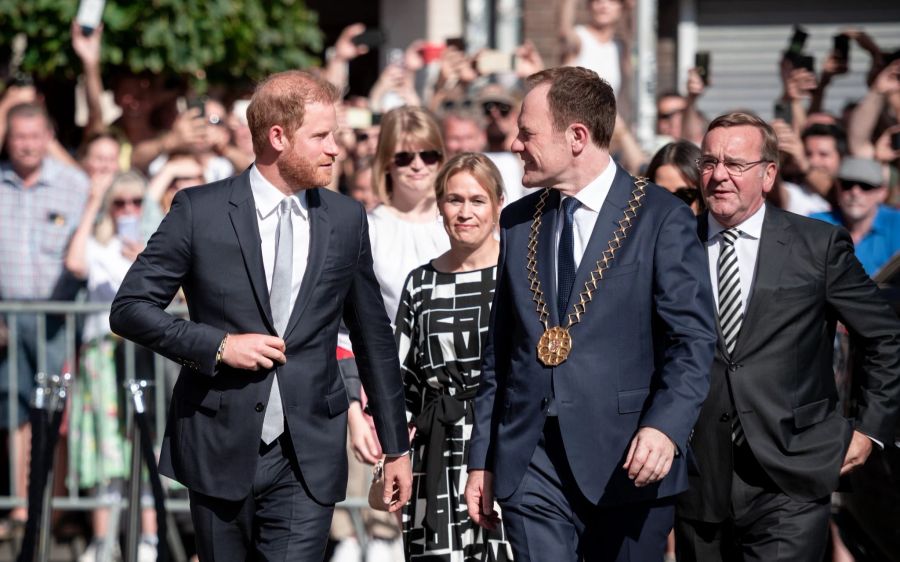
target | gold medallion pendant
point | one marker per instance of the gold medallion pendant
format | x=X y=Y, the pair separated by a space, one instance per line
x=554 y=346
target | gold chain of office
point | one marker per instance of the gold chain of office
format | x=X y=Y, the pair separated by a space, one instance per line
x=555 y=344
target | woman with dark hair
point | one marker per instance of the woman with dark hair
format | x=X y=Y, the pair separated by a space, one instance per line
x=674 y=167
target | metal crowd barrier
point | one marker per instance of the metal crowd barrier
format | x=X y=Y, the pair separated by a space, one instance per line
x=72 y=312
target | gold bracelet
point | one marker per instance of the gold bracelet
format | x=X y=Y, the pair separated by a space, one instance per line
x=221 y=350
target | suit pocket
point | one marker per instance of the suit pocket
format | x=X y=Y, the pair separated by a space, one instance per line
x=620 y=270
x=791 y=293
x=631 y=401
x=812 y=413
x=337 y=402
x=203 y=398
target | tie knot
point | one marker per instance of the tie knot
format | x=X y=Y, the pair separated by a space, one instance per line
x=285 y=206
x=569 y=204
x=730 y=235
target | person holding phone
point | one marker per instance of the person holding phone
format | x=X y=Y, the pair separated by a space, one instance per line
x=101 y=252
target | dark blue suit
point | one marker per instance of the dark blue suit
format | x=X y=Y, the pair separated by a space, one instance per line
x=209 y=244
x=640 y=355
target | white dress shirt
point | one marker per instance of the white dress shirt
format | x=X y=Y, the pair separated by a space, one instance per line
x=747 y=248
x=267 y=199
x=591 y=197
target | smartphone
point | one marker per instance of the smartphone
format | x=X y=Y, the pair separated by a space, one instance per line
x=432 y=51
x=895 y=141
x=798 y=40
x=128 y=227
x=458 y=43
x=395 y=56
x=783 y=112
x=90 y=14
x=798 y=60
x=358 y=117
x=495 y=62
x=370 y=38
x=702 y=61
x=842 y=47
x=198 y=103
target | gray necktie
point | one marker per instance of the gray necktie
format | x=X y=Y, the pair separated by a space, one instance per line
x=280 y=304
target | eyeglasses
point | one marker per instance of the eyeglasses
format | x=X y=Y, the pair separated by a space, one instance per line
x=429 y=157
x=503 y=108
x=848 y=185
x=734 y=168
x=687 y=194
x=122 y=203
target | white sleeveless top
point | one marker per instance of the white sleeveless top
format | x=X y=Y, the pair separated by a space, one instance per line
x=602 y=58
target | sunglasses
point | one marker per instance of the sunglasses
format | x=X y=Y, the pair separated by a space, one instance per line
x=503 y=108
x=429 y=157
x=122 y=203
x=848 y=185
x=687 y=194
x=449 y=105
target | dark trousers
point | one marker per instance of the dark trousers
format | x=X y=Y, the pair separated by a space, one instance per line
x=766 y=524
x=279 y=520
x=548 y=519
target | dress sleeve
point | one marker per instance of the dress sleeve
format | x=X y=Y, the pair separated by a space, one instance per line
x=408 y=344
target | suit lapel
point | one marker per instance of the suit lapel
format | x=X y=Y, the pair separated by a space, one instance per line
x=545 y=262
x=703 y=234
x=246 y=228
x=774 y=247
x=611 y=212
x=319 y=241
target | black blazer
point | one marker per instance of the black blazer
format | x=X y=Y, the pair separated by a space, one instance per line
x=781 y=376
x=209 y=244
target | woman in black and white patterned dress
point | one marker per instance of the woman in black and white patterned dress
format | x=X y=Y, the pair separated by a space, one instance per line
x=442 y=324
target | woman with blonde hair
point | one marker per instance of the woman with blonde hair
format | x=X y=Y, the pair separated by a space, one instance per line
x=404 y=230
x=442 y=325
x=103 y=247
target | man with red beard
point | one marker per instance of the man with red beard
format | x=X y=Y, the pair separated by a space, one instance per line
x=270 y=263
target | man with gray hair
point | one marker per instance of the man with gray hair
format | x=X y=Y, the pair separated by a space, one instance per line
x=41 y=200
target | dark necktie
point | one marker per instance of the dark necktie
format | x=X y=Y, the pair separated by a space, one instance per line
x=565 y=261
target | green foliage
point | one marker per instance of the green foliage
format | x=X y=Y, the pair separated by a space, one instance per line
x=217 y=40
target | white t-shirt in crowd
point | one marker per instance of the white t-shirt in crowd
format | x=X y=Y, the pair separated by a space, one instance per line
x=804 y=201
x=106 y=268
x=602 y=58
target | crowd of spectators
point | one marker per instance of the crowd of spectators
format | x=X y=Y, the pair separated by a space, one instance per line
x=73 y=218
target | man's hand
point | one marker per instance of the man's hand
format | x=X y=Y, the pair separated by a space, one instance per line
x=397 y=482
x=649 y=457
x=363 y=440
x=859 y=451
x=480 y=499
x=253 y=352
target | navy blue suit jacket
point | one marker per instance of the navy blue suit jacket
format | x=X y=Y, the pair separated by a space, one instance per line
x=209 y=244
x=640 y=355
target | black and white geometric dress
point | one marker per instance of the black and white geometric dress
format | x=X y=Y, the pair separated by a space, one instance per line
x=442 y=324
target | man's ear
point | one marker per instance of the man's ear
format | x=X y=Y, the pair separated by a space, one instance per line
x=278 y=138
x=579 y=137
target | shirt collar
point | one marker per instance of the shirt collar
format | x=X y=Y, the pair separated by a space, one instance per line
x=267 y=197
x=594 y=194
x=751 y=227
x=48 y=171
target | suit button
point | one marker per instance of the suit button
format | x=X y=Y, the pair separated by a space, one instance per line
x=544 y=402
x=733 y=367
x=724 y=418
x=260 y=407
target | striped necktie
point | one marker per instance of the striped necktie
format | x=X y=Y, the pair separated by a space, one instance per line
x=731 y=310
x=730 y=305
